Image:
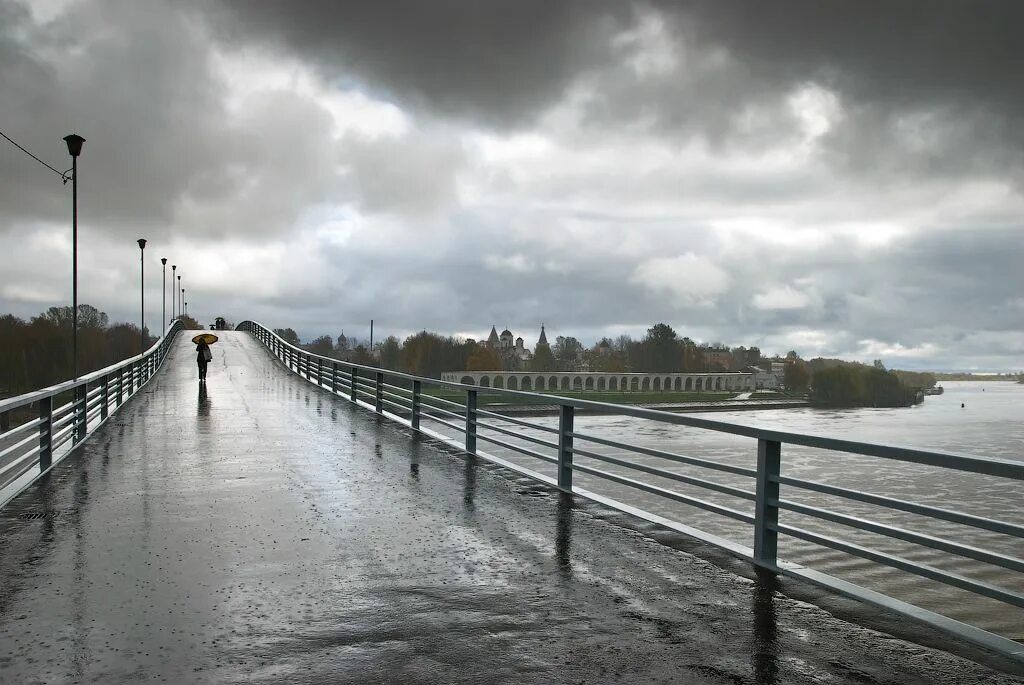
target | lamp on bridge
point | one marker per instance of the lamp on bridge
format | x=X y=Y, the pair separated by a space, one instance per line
x=184 y=309
x=142 y=294
x=179 y=295
x=74 y=142
x=163 y=295
x=174 y=298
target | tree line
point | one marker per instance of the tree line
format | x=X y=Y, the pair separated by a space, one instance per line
x=430 y=354
x=37 y=353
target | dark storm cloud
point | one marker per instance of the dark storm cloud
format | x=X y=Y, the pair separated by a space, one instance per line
x=499 y=61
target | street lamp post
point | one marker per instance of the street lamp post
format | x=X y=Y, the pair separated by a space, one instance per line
x=184 y=303
x=142 y=295
x=74 y=142
x=180 y=291
x=186 y=309
x=163 y=296
x=174 y=293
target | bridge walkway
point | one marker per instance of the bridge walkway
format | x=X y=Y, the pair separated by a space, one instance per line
x=261 y=530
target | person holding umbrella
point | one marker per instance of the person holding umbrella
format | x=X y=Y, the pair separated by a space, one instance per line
x=203 y=354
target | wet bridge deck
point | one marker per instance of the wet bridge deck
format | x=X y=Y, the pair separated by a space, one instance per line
x=265 y=531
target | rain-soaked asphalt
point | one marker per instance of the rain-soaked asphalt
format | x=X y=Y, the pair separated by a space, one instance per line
x=264 y=531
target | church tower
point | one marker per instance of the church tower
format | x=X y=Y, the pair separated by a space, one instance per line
x=543 y=340
x=492 y=339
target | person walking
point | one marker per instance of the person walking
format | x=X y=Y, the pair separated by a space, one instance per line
x=203 y=357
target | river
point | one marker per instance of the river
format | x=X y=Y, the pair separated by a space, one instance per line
x=989 y=424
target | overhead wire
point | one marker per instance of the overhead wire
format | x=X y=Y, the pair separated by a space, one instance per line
x=63 y=174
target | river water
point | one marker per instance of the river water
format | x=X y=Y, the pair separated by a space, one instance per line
x=990 y=424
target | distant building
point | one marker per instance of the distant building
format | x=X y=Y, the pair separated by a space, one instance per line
x=718 y=357
x=763 y=379
x=513 y=352
x=779 y=371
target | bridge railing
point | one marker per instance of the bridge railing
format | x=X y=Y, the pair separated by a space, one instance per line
x=766 y=497
x=37 y=429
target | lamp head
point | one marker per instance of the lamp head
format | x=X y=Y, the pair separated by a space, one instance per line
x=74 y=142
x=163 y=260
x=142 y=243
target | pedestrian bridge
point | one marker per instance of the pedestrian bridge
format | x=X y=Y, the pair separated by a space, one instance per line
x=266 y=528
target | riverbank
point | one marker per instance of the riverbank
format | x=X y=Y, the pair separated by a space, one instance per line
x=675 y=407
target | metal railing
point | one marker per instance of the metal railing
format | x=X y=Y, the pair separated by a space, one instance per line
x=771 y=496
x=51 y=422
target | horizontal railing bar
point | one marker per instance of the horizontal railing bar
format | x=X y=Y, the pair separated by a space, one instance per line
x=385 y=393
x=20 y=459
x=433 y=398
x=668 y=494
x=62 y=421
x=518 y=436
x=396 y=405
x=517 y=448
x=58 y=438
x=519 y=422
x=992 y=525
x=27 y=464
x=902 y=564
x=671 y=456
x=21 y=427
x=662 y=473
x=446 y=411
x=425 y=415
x=1007 y=562
x=17 y=446
x=406 y=392
x=95 y=391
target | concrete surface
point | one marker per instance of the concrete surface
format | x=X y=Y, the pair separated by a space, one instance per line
x=261 y=530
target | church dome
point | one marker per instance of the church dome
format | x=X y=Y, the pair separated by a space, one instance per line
x=506 y=333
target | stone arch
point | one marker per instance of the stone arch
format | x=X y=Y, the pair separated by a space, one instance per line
x=634 y=384
x=613 y=383
x=602 y=384
x=467 y=380
x=565 y=382
x=589 y=383
x=656 y=386
x=645 y=384
x=513 y=383
x=527 y=384
x=577 y=383
x=485 y=382
x=499 y=382
x=677 y=384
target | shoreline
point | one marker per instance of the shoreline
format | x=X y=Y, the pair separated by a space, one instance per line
x=674 y=407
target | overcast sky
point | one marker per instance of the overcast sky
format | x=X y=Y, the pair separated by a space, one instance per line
x=843 y=179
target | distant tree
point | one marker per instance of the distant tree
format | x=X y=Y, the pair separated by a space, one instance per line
x=792 y=355
x=483 y=358
x=796 y=377
x=568 y=353
x=288 y=335
x=543 y=361
x=878 y=364
x=322 y=346
x=390 y=352
x=663 y=350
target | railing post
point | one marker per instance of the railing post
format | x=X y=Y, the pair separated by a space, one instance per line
x=104 y=397
x=319 y=371
x=81 y=399
x=353 y=379
x=414 y=419
x=45 y=433
x=566 y=413
x=334 y=377
x=379 y=404
x=5 y=421
x=766 y=509
x=471 y=421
